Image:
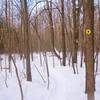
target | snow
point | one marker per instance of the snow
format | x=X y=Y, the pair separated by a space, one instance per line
x=64 y=85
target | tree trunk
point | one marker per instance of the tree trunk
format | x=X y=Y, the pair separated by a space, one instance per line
x=89 y=47
x=50 y=23
x=63 y=33
x=26 y=38
x=75 y=30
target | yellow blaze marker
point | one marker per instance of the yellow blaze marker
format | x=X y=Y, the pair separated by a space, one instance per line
x=88 y=32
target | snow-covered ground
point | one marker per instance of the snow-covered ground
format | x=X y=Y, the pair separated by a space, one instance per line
x=64 y=85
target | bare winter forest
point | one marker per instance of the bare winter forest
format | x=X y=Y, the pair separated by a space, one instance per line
x=49 y=49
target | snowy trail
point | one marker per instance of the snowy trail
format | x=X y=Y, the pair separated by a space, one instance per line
x=58 y=88
x=66 y=85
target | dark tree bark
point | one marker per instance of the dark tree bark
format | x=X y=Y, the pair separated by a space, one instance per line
x=50 y=23
x=63 y=33
x=75 y=29
x=26 y=38
x=50 y=20
x=89 y=47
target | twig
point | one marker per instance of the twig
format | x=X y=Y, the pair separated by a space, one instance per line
x=20 y=86
x=47 y=68
x=6 y=74
x=39 y=73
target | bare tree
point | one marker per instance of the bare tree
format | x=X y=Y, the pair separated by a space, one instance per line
x=89 y=47
x=76 y=17
x=63 y=33
x=50 y=20
x=26 y=38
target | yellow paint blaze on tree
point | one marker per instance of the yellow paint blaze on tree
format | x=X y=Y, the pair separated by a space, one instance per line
x=88 y=32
